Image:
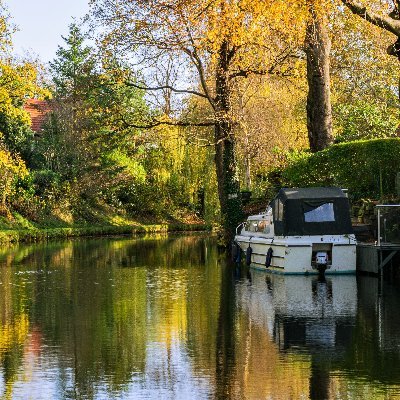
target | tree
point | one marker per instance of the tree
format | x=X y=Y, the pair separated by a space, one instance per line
x=389 y=21
x=87 y=150
x=73 y=66
x=5 y=28
x=18 y=81
x=319 y=110
x=213 y=44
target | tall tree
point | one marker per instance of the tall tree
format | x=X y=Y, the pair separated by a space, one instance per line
x=86 y=146
x=319 y=109
x=73 y=73
x=73 y=66
x=214 y=43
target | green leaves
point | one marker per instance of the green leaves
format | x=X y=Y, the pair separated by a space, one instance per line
x=365 y=120
x=354 y=165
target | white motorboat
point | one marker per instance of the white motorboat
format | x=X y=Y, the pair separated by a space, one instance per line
x=303 y=231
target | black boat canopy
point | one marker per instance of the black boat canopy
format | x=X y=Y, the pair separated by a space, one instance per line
x=311 y=211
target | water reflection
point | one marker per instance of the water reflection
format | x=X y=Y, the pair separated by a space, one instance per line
x=86 y=319
x=171 y=318
x=319 y=339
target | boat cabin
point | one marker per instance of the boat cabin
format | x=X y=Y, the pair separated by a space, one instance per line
x=311 y=211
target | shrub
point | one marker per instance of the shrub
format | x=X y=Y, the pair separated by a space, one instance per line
x=362 y=121
x=360 y=166
x=12 y=168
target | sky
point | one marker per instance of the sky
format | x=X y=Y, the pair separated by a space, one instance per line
x=41 y=24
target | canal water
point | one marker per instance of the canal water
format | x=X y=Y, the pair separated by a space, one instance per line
x=172 y=318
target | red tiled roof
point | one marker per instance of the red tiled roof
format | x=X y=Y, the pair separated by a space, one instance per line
x=37 y=109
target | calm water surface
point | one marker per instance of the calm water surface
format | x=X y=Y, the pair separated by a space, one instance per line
x=171 y=318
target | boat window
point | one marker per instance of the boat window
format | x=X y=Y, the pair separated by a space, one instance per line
x=252 y=226
x=263 y=226
x=279 y=210
x=322 y=213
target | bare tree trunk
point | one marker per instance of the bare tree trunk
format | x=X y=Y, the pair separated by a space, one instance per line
x=225 y=160
x=319 y=111
x=248 y=171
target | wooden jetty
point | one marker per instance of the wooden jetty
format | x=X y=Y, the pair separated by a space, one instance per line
x=373 y=258
x=376 y=257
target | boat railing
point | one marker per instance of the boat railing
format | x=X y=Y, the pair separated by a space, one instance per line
x=239 y=228
x=388 y=222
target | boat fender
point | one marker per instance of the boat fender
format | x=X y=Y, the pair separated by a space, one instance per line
x=239 y=254
x=249 y=251
x=234 y=251
x=268 y=258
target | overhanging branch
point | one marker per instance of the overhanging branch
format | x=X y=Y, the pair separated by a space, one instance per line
x=169 y=87
x=383 y=21
x=155 y=123
x=246 y=73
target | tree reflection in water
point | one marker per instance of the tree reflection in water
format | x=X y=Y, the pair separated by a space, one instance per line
x=170 y=317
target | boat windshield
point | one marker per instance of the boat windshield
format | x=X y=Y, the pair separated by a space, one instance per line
x=322 y=213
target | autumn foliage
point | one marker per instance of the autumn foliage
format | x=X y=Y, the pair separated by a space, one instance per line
x=177 y=105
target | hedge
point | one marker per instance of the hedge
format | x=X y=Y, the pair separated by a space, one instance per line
x=360 y=166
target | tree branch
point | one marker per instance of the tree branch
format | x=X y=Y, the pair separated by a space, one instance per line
x=199 y=66
x=383 y=21
x=169 y=87
x=246 y=73
x=156 y=123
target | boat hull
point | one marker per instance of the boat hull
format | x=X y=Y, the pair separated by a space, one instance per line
x=294 y=255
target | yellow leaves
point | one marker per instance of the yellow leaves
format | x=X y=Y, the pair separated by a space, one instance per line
x=11 y=163
x=12 y=167
x=258 y=34
x=256 y=30
x=5 y=31
x=245 y=22
x=17 y=83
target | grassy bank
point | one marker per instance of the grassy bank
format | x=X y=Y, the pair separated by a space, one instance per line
x=42 y=234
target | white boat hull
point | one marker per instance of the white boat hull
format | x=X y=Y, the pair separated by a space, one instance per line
x=294 y=255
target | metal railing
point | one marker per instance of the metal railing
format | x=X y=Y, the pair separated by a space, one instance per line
x=379 y=207
x=239 y=228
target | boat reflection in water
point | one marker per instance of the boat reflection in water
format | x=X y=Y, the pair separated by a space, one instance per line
x=311 y=321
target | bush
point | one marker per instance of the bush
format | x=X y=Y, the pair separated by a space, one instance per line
x=45 y=180
x=12 y=169
x=362 y=121
x=357 y=166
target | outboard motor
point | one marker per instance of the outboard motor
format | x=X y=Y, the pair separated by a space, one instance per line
x=321 y=259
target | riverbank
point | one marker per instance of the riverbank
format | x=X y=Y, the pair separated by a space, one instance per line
x=43 y=234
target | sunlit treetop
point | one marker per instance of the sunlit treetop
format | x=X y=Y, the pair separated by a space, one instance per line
x=259 y=35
